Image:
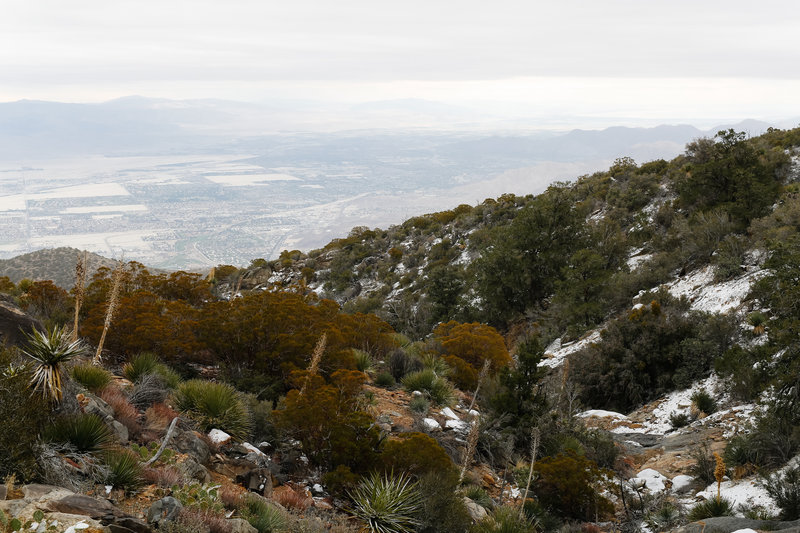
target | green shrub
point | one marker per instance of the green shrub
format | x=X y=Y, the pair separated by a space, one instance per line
x=214 y=405
x=261 y=515
x=387 y=503
x=479 y=496
x=443 y=507
x=415 y=454
x=363 y=360
x=704 y=402
x=139 y=365
x=125 y=469
x=711 y=508
x=505 y=519
x=569 y=485
x=94 y=378
x=704 y=465
x=87 y=433
x=785 y=491
x=436 y=388
x=384 y=380
x=201 y=496
x=340 y=480
x=742 y=450
x=419 y=404
x=24 y=416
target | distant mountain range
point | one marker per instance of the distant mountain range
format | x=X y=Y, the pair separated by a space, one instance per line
x=56 y=264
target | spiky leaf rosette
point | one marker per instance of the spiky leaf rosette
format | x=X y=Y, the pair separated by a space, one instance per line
x=387 y=504
x=51 y=350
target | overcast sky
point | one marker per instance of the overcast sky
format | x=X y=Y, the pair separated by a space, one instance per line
x=660 y=58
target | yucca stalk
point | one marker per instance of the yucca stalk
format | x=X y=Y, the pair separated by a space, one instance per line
x=80 y=286
x=534 y=451
x=481 y=377
x=472 y=445
x=116 y=281
x=719 y=474
x=313 y=368
x=51 y=350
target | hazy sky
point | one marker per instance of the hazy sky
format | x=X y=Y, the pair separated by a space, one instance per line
x=661 y=58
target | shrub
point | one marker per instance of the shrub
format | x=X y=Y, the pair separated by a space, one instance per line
x=126 y=470
x=201 y=496
x=24 y=416
x=401 y=363
x=415 y=454
x=291 y=499
x=704 y=402
x=86 y=433
x=140 y=365
x=679 y=420
x=363 y=360
x=214 y=405
x=264 y=517
x=205 y=521
x=340 y=480
x=384 y=380
x=164 y=476
x=419 y=404
x=387 y=503
x=704 y=465
x=443 y=507
x=711 y=508
x=92 y=377
x=505 y=519
x=785 y=490
x=438 y=389
x=150 y=389
x=124 y=412
x=567 y=484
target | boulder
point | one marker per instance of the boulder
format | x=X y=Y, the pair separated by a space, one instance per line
x=94 y=405
x=13 y=322
x=128 y=524
x=188 y=442
x=120 y=430
x=476 y=511
x=194 y=470
x=682 y=484
x=163 y=511
x=240 y=525
x=258 y=480
x=80 y=504
x=729 y=524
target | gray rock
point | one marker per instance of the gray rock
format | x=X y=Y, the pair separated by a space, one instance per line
x=129 y=524
x=258 y=480
x=188 y=442
x=14 y=323
x=120 y=430
x=35 y=491
x=3 y=492
x=194 y=470
x=240 y=525
x=163 y=511
x=80 y=504
x=476 y=511
x=729 y=524
x=96 y=406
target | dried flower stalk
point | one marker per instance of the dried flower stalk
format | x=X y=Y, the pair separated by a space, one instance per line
x=80 y=288
x=313 y=368
x=116 y=278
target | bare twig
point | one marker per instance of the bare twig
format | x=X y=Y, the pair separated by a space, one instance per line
x=163 y=443
x=80 y=285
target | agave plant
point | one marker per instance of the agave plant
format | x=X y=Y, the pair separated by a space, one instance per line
x=51 y=350
x=388 y=504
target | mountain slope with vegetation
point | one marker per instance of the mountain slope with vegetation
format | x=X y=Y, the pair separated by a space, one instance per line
x=527 y=364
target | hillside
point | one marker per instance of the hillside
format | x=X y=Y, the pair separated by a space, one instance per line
x=55 y=264
x=618 y=353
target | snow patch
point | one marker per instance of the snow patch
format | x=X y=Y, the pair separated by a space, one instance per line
x=745 y=491
x=600 y=413
x=652 y=479
x=556 y=352
x=705 y=295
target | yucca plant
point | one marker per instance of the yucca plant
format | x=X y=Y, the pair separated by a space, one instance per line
x=261 y=515
x=758 y=320
x=139 y=365
x=711 y=508
x=125 y=470
x=92 y=377
x=51 y=350
x=505 y=519
x=387 y=503
x=364 y=362
x=86 y=433
x=437 y=388
x=214 y=405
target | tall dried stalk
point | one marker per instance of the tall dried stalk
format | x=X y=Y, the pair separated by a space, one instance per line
x=116 y=280
x=719 y=474
x=534 y=451
x=80 y=286
x=313 y=368
x=484 y=372
x=472 y=445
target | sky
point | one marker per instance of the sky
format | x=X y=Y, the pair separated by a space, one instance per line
x=676 y=59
